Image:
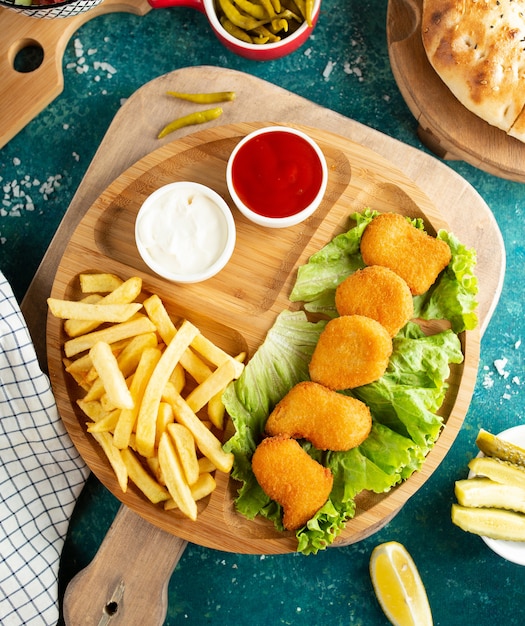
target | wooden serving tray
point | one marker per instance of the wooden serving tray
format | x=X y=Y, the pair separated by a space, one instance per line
x=445 y=126
x=237 y=307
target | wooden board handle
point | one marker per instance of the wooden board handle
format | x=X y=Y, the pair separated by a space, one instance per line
x=28 y=93
x=126 y=583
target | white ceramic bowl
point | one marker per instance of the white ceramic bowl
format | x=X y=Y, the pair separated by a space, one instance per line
x=185 y=232
x=277 y=176
x=513 y=551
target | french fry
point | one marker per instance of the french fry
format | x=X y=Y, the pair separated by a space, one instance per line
x=80 y=366
x=127 y=359
x=147 y=416
x=214 y=354
x=200 y=396
x=70 y=326
x=157 y=313
x=78 y=375
x=106 y=424
x=100 y=313
x=178 y=378
x=144 y=481
x=154 y=466
x=134 y=374
x=114 y=457
x=205 y=465
x=124 y=427
x=185 y=446
x=216 y=410
x=92 y=409
x=206 y=441
x=204 y=485
x=130 y=356
x=173 y=475
x=117 y=332
x=114 y=382
x=164 y=418
x=99 y=283
x=84 y=365
x=195 y=366
x=125 y=293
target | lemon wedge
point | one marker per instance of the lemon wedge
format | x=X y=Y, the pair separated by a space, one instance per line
x=398 y=586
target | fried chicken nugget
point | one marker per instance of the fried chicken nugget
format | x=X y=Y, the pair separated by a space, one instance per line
x=329 y=420
x=377 y=292
x=288 y=475
x=391 y=240
x=352 y=350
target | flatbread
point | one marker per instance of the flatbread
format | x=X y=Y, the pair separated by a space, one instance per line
x=477 y=47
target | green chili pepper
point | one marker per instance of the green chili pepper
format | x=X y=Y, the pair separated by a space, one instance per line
x=236 y=17
x=204 y=98
x=235 y=31
x=199 y=117
x=268 y=8
x=309 y=11
x=255 y=10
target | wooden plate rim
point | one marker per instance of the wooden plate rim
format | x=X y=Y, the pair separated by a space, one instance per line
x=237 y=537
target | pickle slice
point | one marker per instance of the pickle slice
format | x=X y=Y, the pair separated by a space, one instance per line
x=500 y=471
x=491 y=445
x=492 y=523
x=483 y=492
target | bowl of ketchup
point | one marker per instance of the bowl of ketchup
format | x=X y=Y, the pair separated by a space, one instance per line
x=277 y=176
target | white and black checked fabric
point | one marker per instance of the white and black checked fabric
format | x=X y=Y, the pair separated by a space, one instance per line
x=41 y=476
x=67 y=8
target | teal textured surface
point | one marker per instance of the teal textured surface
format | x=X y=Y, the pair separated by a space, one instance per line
x=344 y=67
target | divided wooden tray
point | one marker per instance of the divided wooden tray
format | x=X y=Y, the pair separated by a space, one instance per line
x=237 y=307
x=445 y=126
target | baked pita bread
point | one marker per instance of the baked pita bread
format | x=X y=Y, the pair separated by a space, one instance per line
x=477 y=47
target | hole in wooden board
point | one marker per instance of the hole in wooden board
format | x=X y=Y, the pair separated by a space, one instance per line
x=26 y=56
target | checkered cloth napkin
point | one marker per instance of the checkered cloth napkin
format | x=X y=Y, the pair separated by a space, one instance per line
x=41 y=476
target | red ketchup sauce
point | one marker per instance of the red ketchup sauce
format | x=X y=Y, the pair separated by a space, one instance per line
x=277 y=174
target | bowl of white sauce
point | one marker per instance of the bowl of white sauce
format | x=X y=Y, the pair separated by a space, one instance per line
x=185 y=232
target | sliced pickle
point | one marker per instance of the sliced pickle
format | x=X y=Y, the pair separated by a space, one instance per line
x=500 y=471
x=483 y=492
x=492 y=523
x=491 y=445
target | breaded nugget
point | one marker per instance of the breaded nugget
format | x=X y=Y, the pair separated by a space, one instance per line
x=352 y=350
x=326 y=418
x=288 y=475
x=391 y=240
x=379 y=293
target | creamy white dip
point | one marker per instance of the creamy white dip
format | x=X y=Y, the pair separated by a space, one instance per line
x=182 y=230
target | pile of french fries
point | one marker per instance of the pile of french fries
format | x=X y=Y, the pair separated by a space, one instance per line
x=152 y=389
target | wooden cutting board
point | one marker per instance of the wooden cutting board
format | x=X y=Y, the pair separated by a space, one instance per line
x=236 y=308
x=26 y=94
x=445 y=126
x=132 y=137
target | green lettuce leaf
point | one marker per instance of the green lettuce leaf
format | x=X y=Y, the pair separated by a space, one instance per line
x=452 y=297
x=280 y=363
x=317 y=280
x=404 y=402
